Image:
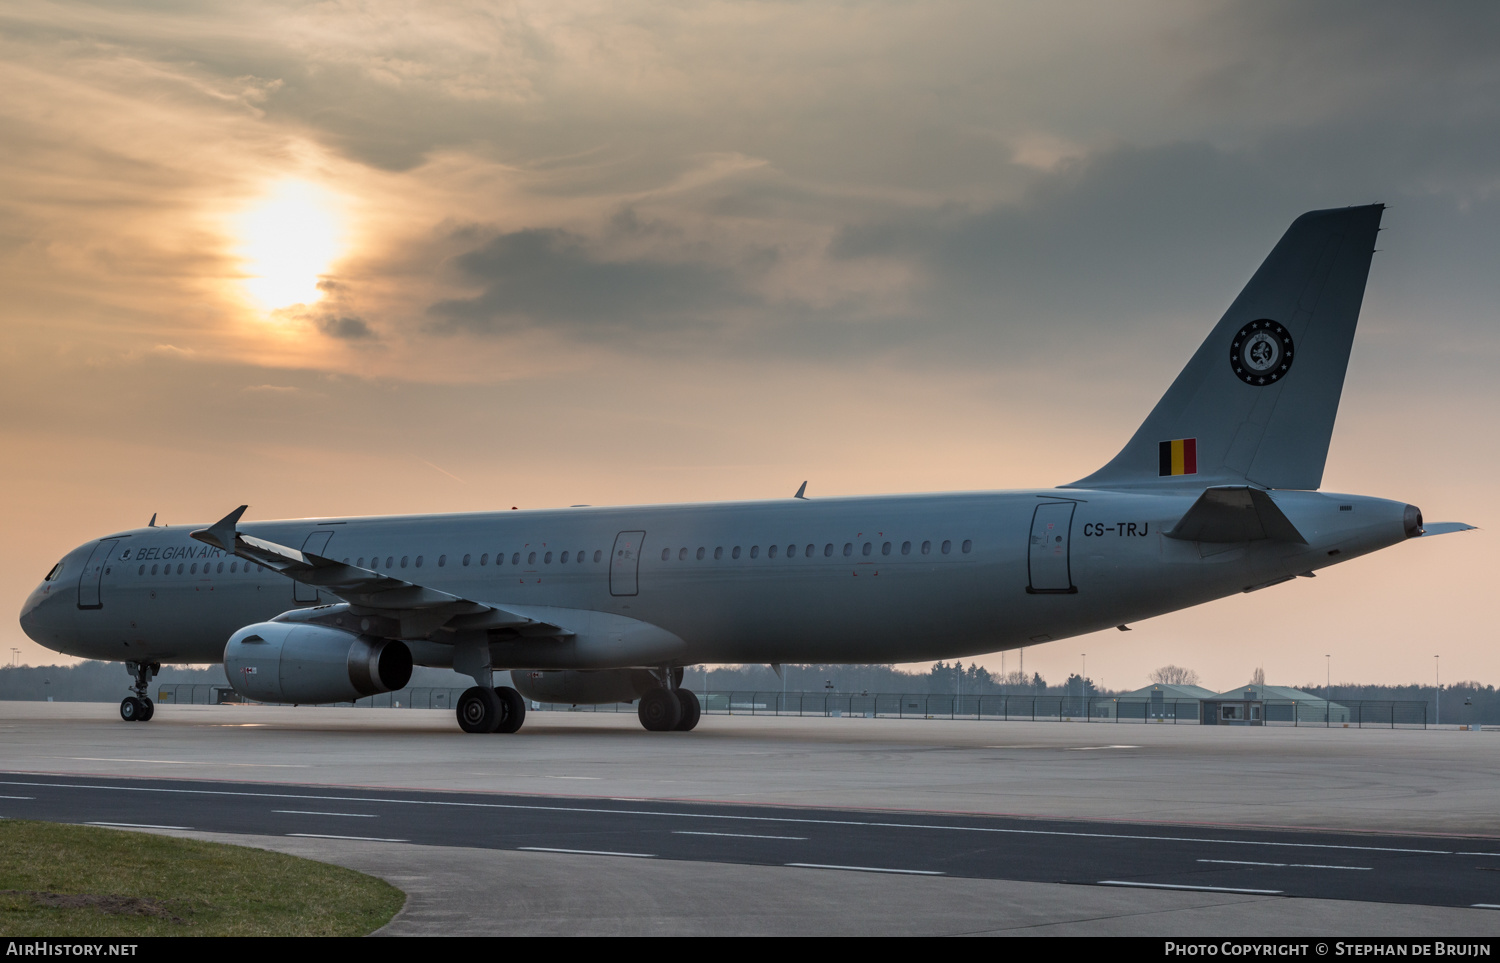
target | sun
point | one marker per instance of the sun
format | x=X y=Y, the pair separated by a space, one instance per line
x=287 y=240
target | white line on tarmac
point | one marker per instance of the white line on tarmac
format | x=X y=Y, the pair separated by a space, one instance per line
x=309 y=812
x=1206 y=889
x=584 y=852
x=689 y=832
x=189 y=762
x=870 y=869
x=136 y=825
x=368 y=839
x=1484 y=905
x=1246 y=862
x=800 y=820
x=17 y=797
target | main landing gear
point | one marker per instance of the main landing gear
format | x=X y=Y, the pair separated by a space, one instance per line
x=670 y=708
x=486 y=709
x=139 y=707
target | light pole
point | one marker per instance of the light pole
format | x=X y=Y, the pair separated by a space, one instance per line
x=1437 y=688
x=1327 y=677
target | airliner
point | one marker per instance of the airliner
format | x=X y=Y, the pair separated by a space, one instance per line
x=1216 y=493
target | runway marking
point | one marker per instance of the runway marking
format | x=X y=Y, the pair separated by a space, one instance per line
x=1484 y=905
x=1091 y=748
x=870 y=869
x=309 y=812
x=1246 y=862
x=793 y=820
x=189 y=762
x=17 y=797
x=135 y=825
x=584 y=852
x=689 y=832
x=574 y=777
x=1456 y=854
x=1206 y=889
x=367 y=839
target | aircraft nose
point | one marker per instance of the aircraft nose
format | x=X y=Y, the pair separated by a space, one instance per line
x=35 y=620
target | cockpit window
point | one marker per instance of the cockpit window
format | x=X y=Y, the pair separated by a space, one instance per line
x=52 y=575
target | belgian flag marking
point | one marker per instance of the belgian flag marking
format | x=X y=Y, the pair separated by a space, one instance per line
x=1179 y=457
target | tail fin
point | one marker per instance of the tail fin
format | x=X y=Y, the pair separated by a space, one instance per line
x=1257 y=401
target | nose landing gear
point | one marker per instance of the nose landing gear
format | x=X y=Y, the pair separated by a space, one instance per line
x=139 y=707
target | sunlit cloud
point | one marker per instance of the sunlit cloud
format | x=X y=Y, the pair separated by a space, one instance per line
x=288 y=238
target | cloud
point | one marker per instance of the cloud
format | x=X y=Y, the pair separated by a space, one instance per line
x=345 y=328
x=551 y=277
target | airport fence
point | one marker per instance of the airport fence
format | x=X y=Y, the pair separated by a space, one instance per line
x=998 y=707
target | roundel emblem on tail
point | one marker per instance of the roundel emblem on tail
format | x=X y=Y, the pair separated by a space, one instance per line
x=1262 y=353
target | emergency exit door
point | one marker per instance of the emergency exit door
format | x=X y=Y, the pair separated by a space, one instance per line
x=1047 y=555
x=317 y=544
x=625 y=564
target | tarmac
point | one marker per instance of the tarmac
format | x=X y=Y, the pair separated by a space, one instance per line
x=1437 y=782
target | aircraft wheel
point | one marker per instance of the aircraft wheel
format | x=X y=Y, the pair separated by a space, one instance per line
x=659 y=710
x=148 y=709
x=692 y=710
x=131 y=709
x=479 y=710
x=513 y=709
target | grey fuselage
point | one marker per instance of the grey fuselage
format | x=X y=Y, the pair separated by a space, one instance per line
x=868 y=592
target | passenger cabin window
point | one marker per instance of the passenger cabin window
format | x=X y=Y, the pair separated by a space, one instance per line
x=598 y=554
x=771 y=552
x=811 y=550
x=515 y=558
x=390 y=560
x=885 y=549
x=755 y=551
x=360 y=562
x=579 y=556
x=681 y=554
x=866 y=549
x=926 y=548
x=791 y=551
x=848 y=549
x=968 y=546
x=564 y=558
x=442 y=561
x=403 y=560
x=718 y=553
x=666 y=554
x=531 y=559
x=906 y=548
x=419 y=561
x=701 y=552
x=735 y=553
x=153 y=570
x=547 y=558
x=947 y=546
x=141 y=570
x=828 y=550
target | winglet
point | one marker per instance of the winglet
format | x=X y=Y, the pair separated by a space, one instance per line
x=221 y=533
x=1443 y=528
x=802 y=492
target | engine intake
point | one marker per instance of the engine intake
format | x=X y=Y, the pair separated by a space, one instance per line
x=301 y=663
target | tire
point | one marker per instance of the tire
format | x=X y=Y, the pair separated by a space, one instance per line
x=478 y=710
x=148 y=711
x=659 y=710
x=692 y=710
x=512 y=709
x=131 y=709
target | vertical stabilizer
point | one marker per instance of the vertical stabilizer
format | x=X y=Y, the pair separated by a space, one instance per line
x=1257 y=401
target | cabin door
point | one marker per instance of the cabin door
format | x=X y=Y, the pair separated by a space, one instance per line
x=1051 y=528
x=93 y=573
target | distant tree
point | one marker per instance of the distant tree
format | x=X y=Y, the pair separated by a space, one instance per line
x=1258 y=677
x=1174 y=675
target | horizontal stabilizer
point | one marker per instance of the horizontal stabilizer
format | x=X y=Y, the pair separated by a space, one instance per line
x=1235 y=514
x=1443 y=528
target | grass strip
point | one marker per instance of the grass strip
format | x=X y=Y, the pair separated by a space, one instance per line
x=64 y=880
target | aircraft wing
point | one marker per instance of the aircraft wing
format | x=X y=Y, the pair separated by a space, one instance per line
x=1235 y=513
x=1443 y=528
x=421 y=609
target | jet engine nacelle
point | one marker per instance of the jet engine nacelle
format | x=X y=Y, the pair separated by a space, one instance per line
x=301 y=663
x=583 y=686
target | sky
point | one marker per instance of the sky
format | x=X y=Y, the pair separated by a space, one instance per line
x=375 y=257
